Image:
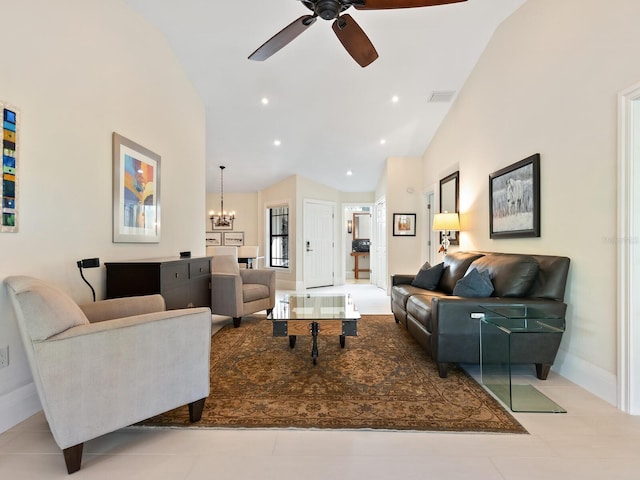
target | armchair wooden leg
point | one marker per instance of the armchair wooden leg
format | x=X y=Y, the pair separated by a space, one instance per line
x=236 y=322
x=195 y=410
x=73 y=458
x=542 y=370
x=443 y=369
x=269 y=310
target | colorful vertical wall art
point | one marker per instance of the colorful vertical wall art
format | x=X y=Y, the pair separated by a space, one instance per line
x=9 y=188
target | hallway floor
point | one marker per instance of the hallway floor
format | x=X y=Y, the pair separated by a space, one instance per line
x=593 y=440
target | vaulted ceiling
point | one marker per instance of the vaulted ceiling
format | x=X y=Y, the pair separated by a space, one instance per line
x=329 y=115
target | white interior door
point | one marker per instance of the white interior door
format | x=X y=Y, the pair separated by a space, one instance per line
x=318 y=244
x=379 y=245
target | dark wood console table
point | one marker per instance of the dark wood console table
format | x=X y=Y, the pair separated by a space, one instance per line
x=183 y=282
x=357 y=270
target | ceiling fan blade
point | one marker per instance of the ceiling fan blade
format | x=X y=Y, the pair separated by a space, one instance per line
x=385 y=4
x=283 y=37
x=354 y=40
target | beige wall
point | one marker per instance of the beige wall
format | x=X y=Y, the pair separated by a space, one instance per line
x=548 y=83
x=403 y=195
x=245 y=205
x=80 y=70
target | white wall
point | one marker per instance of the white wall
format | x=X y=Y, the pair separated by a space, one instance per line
x=80 y=70
x=547 y=83
x=403 y=187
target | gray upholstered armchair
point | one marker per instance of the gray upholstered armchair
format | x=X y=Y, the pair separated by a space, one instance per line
x=236 y=292
x=106 y=365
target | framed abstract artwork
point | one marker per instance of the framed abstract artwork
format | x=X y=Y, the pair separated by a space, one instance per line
x=514 y=200
x=404 y=224
x=9 y=185
x=136 y=192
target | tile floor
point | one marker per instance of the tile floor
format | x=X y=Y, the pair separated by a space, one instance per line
x=593 y=440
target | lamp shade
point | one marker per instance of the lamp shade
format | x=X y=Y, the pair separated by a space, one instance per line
x=446 y=221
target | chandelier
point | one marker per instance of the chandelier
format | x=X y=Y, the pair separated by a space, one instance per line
x=222 y=219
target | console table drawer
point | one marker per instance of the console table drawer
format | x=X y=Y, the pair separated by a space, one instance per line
x=200 y=268
x=174 y=274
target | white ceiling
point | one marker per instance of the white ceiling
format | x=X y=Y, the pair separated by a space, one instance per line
x=329 y=113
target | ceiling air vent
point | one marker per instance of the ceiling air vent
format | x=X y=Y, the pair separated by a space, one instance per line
x=441 y=97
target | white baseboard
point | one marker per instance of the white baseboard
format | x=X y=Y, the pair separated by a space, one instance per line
x=594 y=379
x=18 y=405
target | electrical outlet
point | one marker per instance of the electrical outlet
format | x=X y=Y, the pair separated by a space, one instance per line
x=4 y=356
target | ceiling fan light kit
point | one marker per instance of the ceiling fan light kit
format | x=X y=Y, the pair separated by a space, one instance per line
x=352 y=37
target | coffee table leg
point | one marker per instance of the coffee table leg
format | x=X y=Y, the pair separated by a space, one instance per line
x=292 y=341
x=314 y=348
x=342 y=340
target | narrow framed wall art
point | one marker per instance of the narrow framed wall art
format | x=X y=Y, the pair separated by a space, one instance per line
x=136 y=192
x=9 y=186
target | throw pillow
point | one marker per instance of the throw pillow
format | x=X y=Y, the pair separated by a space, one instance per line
x=474 y=284
x=429 y=277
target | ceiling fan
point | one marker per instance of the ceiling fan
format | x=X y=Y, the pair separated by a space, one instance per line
x=352 y=37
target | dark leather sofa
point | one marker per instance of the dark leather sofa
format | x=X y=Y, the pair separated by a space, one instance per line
x=442 y=323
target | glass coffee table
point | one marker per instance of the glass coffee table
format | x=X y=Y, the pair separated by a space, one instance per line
x=315 y=314
x=500 y=325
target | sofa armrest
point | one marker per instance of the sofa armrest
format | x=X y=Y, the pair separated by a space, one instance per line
x=401 y=279
x=102 y=376
x=226 y=294
x=122 y=307
x=453 y=314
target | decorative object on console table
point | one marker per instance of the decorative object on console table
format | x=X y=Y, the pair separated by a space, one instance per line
x=222 y=220
x=514 y=200
x=9 y=184
x=404 y=224
x=446 y=223
x=233 y=239
x=450 y=202
x=136 y=192
x=183 y=282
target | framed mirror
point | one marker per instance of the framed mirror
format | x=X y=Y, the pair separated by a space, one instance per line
x=450 y=199
x=361 y=226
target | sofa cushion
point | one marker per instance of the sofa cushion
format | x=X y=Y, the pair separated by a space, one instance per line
x=456 y=265
x=512 y=275
x=474 y=284
x=400 y=294
x=48 y=310
x=254 y=291
x=428 y=277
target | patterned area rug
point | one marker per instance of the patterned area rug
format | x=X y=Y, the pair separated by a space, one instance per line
x=382 y=379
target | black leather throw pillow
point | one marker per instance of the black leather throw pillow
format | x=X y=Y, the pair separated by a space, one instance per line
x=428 y=278
x=474 y=284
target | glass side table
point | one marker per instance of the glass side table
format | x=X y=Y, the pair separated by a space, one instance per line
x=499 y=326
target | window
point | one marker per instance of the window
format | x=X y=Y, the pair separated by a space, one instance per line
x=279 y=236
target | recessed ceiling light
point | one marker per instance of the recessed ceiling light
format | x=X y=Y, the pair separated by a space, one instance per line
x=265 y=101
x=276 y=143
x=349 y=172
x=382 y=141
x=395 y=99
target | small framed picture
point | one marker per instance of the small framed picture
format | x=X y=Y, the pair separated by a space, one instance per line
x=233 y=239
x=214 y=239
x=404 y=224
x=514 y=200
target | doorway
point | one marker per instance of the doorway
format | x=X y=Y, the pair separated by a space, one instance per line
x=318 y=248
x=629 y=251
x=357 y=243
